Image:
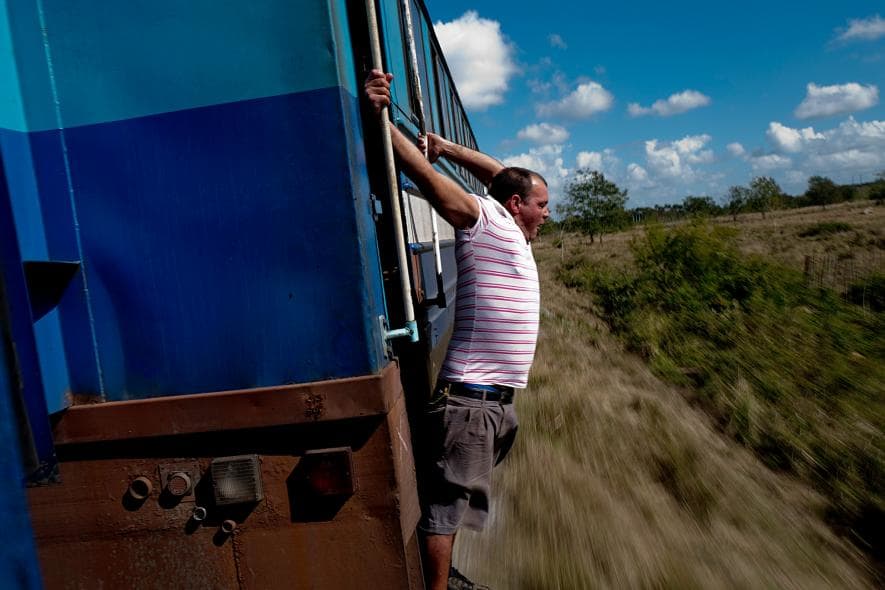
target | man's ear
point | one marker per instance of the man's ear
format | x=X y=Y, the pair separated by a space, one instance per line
x=513 y=203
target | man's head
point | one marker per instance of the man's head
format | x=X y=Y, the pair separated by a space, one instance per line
x=524 y=194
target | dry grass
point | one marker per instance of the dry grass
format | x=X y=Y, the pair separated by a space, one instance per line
x=617 y=482
x=776 y=236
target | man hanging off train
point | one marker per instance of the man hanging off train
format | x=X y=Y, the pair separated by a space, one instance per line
x=470 y=420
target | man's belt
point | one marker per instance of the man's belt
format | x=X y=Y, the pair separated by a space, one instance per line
x=486 y=393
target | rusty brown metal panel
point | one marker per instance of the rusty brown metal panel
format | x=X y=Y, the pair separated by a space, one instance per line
x=324 y=558
x=139 y=562
x=413 y=562
x=90 y=503
x=404 y=468
x=230 y=410
x=90 y=536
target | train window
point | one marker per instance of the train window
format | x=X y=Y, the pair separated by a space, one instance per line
x=450 y=109
x=407 y=60
x=419 y=36
x=458 y=120
x=445 y=105
x=435 y=96
x=421 y=45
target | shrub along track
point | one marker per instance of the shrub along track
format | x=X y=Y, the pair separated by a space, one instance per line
x=616 y=481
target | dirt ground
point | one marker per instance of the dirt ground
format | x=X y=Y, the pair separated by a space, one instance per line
x=617 y=481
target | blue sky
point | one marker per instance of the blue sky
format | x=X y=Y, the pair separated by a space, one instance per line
x=672 y=99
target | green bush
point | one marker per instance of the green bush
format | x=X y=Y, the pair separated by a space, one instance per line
x=869 y=292
x=792 y=372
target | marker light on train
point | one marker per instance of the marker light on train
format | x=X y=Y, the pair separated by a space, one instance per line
x=328 y=472
x=236 y=480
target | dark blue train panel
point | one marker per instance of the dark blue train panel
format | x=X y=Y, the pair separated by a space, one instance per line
x=190 y=199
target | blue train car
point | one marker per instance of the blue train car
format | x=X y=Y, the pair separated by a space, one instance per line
x=201 y=289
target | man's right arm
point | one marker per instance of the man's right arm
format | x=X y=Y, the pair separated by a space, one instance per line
x=444 y=194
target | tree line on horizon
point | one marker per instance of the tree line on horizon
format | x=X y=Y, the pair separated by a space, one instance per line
x=595 y=205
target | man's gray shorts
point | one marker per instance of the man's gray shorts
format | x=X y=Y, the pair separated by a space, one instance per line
x=465 y=439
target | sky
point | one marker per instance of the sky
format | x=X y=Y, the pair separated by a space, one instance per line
x=673 y=99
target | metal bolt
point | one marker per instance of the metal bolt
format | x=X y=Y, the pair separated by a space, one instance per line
x=140 y=488
x=179 y=484
x=199 y=514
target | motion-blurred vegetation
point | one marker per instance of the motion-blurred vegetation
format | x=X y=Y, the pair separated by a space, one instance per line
x=792 y=371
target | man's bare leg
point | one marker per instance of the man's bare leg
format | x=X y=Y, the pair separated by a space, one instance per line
x=439 y=559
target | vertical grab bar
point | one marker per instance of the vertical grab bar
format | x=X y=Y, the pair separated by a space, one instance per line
x=411 y=327
x=440 y=299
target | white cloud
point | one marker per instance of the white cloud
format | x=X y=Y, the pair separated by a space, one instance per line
x=796 y=177
x=544 y=133
x=850 y=134
x=736 y=149
x=791 y=140
x=547 y=161
x=637 y=175
x=824 y=101
x=672 y=105
x=863 y=29
x=480 y=59
x=852 y=146
x=557 y=41
x=853 y=159
x=604 y=161
x=591 y=160
x=770 y=162
x=673 y=159
x=587 y=99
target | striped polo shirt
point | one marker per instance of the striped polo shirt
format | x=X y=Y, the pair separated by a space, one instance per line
x=496 y=313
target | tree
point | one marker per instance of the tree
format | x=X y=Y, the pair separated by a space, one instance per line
x=736 y=200
x=764 y=194
x=700 y=206
x=821 y=191
x=877 y=191
x=596 y=204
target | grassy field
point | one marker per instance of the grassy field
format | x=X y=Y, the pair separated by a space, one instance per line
x=620 y=480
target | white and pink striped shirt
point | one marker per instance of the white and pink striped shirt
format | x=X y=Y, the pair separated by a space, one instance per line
x=496 y=313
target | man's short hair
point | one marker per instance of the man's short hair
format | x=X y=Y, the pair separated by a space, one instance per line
x=513 y=181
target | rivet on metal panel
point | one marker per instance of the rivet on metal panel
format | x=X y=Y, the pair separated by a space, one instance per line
x=315 y=406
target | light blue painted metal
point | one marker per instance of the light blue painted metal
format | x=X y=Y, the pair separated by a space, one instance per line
x=410 y=331
x=12 y=112
x=119 y=60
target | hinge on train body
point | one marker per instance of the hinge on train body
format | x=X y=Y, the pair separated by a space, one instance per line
x=376 y=205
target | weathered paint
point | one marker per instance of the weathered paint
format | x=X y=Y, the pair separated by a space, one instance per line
x=215 y=211
x=326 y=401
x=90 y=536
